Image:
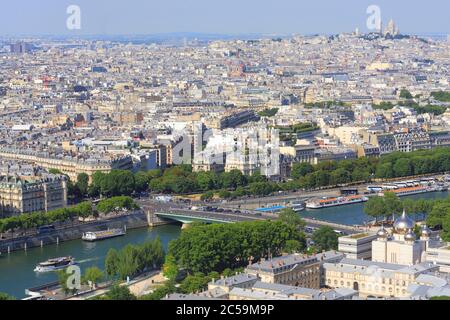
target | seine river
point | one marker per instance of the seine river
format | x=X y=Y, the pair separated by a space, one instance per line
x=16 y=269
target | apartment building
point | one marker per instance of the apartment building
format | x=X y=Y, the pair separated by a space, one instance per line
x=19 y=196
x=296 y=270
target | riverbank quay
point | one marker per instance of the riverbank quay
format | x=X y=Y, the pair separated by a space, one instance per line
x=138 y=286
x=130 y=220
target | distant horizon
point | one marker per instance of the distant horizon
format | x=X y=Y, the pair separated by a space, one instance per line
x=202 y=34
x=235 y=17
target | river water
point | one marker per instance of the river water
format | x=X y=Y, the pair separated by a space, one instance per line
x=354 y=214
x=16 y=269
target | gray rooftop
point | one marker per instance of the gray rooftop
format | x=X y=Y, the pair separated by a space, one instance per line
x=284 y=263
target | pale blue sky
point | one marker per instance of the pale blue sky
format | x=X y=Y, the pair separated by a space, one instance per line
x=19 y=17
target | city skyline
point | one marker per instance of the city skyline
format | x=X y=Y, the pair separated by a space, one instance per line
x=290 y=150
x=137 y=17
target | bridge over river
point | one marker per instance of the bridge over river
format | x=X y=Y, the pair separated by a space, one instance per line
x=189 y=216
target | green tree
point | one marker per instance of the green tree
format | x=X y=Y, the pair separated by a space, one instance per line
x=206 y=180
x=405 y=94
x=232 y=179
x=293 y=246
x=360 y=175
x=268 y=112
x=437 y=216
x=5 y=296
x=446 y=228
x=119 y=293
x=134 y=259
x=325 y=239
x=261 y=188
x=154 y=174
x=114 y=203
x=216 y=247
x=111 y=262
x=224 y=194
x=375 y=207
x=170 y=268
x=117 y=183
x=141 y=181
x=194 y=283
x=208 y=195
x=93 y=275
x=393 y=203
x=441 y=96
x=403 y=168
x=83 y=183
x=384 y=171
x=301 y=169
x=292 y=218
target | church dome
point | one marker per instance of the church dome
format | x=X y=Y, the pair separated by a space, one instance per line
x=404 y=223
x=410 y=236
x=426 y=232
x=382 y=233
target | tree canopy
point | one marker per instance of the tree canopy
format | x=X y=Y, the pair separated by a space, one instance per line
x=216 y=247
x=134 y=259
x=325 y=238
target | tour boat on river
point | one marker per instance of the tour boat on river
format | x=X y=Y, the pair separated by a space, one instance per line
x=333 y=202
x=102 y=235
x=54 y=264
x=401 y=192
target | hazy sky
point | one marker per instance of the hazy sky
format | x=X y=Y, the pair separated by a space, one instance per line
x=20 y=17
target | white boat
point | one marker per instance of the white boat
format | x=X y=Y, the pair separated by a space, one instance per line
x=297 y=206
x=333 y=202
x=401 y=192
x=55 y=264
x=102 y=235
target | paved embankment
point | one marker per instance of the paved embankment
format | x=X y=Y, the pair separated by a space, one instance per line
x=130 y=221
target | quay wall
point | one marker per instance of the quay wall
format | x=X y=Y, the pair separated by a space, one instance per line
x=138 y=219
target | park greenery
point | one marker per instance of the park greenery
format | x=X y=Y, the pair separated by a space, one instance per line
x=181 y=179
x=405 y=94
x=441 y=96
x=383 y=207
x=291 y=132
x=325 y=238
x=37 y=219
x=118 y=293
x=116 y=203
x=93 y=276
x=229 y=185
x=325 y=105
x=82 y=210
x=394 y=165
x=216 y=247
x=420 y=109
x=133 y=260
x=383 y=106
x=268 y=112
